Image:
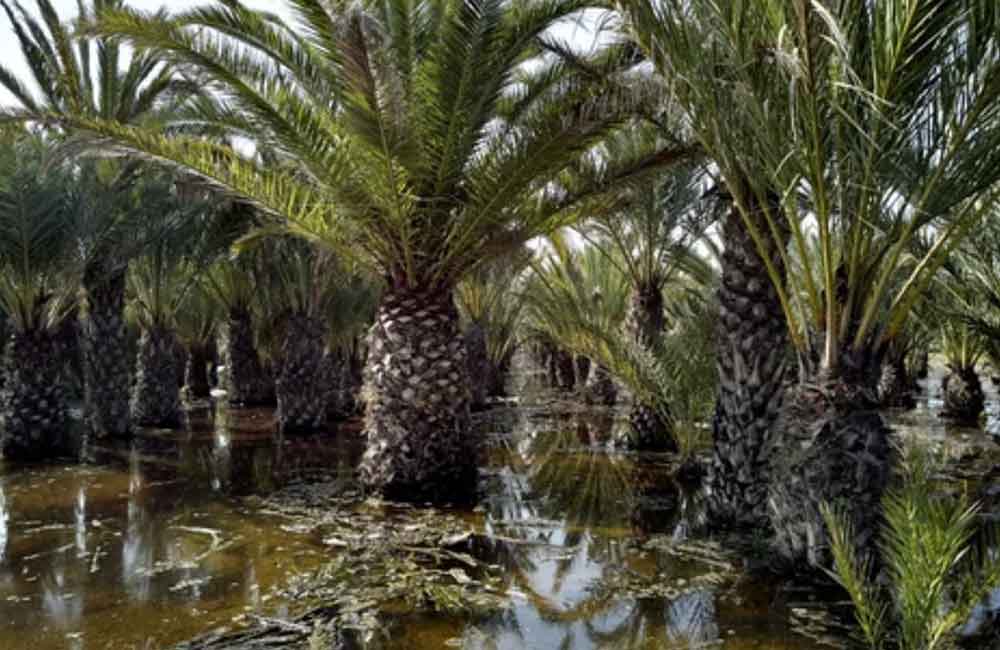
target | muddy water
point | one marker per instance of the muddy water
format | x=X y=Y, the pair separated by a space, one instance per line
x=149 y=546
x=152 y=543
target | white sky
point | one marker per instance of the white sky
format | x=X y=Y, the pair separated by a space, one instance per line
x=11 y=55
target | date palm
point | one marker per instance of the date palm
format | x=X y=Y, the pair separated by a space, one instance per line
x=71 y=75
x=868 y=126
x=649 y=236
x=408 y=137
x=38 y=275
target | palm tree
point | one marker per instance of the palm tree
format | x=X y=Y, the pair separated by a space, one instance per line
x=408 y=137
x=491 y=308
x=70 y=75
x=867 y=126
x=303 y=287
x=197 y=324
x=37 y=293
x=649 y=237
x=183 y=241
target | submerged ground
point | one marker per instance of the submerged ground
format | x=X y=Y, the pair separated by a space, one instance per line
x=571 y=547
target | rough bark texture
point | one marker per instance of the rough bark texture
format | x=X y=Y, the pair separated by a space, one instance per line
x=106 y=362
x=156 y=396
x=478 y=363
x=833 y=449
x=249 y=384
x=417 y=392
x=963 y=396
x=651 y=429
x=895 y=388
x=565 y=367
x=196 y=372
x=34 y=401
x=302 y=383
x=752 y=364
x=601 y=388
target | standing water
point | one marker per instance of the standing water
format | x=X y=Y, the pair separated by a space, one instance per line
x=164 y=539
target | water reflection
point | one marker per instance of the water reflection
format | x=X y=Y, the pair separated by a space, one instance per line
x=3 y=523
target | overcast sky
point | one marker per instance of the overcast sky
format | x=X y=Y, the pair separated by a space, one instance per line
x=67 y=10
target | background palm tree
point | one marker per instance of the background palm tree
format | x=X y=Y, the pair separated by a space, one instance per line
x=184 y=240
x=38 y=279
x=73 y=75
x=649 y=237
x=409 y=137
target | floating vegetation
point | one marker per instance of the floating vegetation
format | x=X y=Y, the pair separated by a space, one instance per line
x=389 y=560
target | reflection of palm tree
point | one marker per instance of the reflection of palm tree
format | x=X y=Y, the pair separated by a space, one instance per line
x=586 y=487
x=692 y=618
x=643 y=618
x=4 y=516
x=137 y=549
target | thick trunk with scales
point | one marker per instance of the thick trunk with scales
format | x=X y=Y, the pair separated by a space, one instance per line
x=416 y=385
x=197 y=384
x=34 y=402
x=302 y=383
x=752 y=353
x=156 y=396
x=478 y=362
x=650 y=426
x=964 y=399
x=832 y=447
x=248 y=383
x=896 y=387
x=106 y=361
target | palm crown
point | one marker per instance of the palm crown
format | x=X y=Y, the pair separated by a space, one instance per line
x=413 y=135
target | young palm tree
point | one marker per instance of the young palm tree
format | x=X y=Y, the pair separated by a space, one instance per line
x=184 y=240
x=869 y=126
x=649 y=237
x=197 y=323
x=569 y=293
x=70 y=75
x=409 y=137
x=38 y=275
x=491 y=307
x=303 y=287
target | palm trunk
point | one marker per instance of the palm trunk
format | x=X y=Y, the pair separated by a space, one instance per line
x=895 y=388
x=479 y=363
x=248 y=382
x=650 y=425
x=752 y=364
x=156 y=398
x=601 y=388
x=196 y=371
x=416 y=384
x=301 y=386
x=963 y=396
x=34 y=402
x=106 y=361
x=565 y=366
x=832 y=448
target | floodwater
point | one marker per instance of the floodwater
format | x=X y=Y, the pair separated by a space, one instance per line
x=154 y=543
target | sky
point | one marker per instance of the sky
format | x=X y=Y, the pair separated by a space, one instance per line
x=67 y=9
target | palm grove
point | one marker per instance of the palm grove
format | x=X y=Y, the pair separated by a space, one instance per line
x=366 y=207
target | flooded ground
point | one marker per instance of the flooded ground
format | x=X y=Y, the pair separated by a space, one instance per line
x=160 y=541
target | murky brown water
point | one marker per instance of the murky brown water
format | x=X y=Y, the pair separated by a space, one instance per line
x=153 y=544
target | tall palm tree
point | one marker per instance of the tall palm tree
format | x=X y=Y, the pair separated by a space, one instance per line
x=37 y=293
x=864 y=125
x=408 y=136
x=71 y=75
